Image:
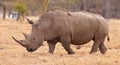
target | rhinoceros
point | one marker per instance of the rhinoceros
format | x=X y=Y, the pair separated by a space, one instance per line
x=67 y=28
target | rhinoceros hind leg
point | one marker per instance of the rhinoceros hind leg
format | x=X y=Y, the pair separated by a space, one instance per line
x=102 y=48
x=95 y=47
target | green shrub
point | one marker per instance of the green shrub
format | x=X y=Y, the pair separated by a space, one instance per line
x=21 y=7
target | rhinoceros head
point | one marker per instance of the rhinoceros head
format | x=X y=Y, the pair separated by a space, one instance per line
x=32 y=41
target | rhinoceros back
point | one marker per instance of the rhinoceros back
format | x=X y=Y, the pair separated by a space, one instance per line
x=82 y=25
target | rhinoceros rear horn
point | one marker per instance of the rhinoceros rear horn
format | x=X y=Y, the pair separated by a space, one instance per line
x=25 y=35
x=20 y=42
x=29 y=21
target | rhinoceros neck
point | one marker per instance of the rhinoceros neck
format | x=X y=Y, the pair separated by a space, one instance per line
x=48 y=35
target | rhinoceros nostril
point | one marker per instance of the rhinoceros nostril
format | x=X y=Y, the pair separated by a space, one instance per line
x=31 y=49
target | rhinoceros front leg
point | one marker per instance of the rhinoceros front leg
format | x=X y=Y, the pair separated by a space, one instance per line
x=65 y=40
x=51 y=47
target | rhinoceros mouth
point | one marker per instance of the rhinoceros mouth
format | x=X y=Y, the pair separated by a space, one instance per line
x=31 y=50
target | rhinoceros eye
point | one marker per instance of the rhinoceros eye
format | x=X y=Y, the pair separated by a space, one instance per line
x=34 y=38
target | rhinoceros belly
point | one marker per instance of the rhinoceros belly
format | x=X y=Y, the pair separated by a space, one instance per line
x=82 y=35
x=79 y=39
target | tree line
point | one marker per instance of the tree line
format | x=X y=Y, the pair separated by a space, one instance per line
x=106 y=8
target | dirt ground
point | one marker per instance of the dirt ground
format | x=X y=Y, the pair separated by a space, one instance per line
x=12 y=53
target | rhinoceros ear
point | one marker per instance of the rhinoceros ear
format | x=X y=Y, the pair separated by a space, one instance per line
x=30 y=21
x=69 y=14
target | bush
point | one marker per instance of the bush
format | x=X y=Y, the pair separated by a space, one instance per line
x=21 y=7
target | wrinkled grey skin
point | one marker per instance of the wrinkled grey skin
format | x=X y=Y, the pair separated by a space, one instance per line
x=68 y=28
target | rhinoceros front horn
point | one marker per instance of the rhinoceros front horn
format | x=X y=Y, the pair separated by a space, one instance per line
x=29 y=21
x=20 y=42
x=25 y=35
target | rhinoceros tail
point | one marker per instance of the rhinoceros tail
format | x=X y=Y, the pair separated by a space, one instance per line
x=108 y=38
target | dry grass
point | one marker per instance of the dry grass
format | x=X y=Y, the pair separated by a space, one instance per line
x=13 y=54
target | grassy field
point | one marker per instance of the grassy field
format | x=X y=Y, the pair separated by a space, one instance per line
x=12 y=53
